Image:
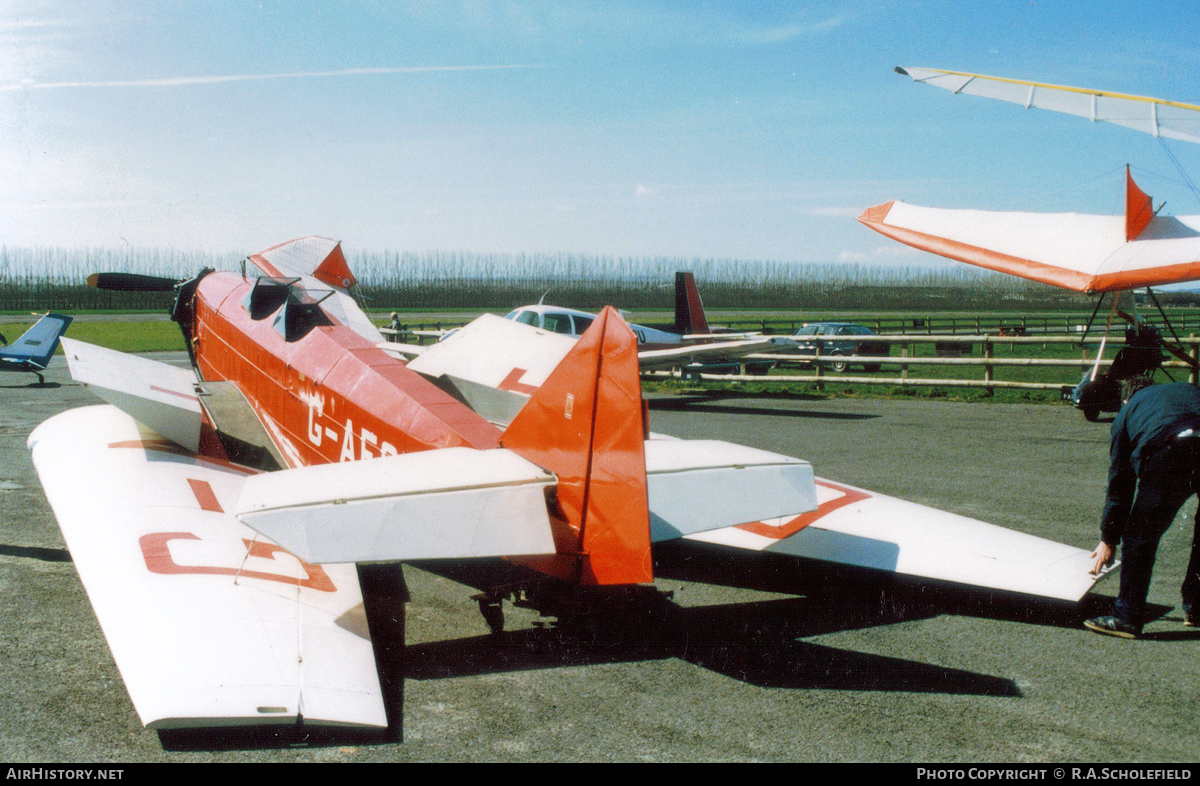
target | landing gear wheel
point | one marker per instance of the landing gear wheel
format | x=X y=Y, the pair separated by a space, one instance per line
x=493 y=614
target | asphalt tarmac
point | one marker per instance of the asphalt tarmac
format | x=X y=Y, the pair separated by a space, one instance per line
x=849 y=670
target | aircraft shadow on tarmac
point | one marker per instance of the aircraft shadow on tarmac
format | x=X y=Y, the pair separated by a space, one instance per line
x=705 y=403
x=756 y=643
x=38 y=385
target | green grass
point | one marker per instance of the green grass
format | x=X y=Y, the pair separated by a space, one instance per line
x=121 y=335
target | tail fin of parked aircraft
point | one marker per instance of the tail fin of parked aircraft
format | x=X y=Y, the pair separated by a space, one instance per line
x=689 y=311
x=36 y=346
x=585 y=424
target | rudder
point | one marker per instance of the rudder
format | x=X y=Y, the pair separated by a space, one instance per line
x=585 y=425
x=689 y=310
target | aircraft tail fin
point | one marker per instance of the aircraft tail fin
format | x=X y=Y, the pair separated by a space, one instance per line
x=586 y=425
x=37 y=345
x=689 y=310
x=1139 y=208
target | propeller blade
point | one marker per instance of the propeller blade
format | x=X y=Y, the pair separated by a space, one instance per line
x=131 y=282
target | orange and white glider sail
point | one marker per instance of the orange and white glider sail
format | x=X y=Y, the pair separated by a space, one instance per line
x=1087 y=253
x=1154 y=116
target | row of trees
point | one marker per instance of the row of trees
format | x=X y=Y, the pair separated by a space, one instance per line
x=44 y=278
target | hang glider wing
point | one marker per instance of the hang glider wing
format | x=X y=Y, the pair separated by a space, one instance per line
x=1087 y=253
x=1154 y=116
x=860 y=528
x=209 y=623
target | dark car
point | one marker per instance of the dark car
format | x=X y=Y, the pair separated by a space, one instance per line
x=840 y=338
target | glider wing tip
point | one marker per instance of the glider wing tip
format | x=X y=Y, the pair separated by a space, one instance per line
x=876 y=214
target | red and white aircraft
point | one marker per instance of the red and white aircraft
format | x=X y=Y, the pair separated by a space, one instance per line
x=227 y=520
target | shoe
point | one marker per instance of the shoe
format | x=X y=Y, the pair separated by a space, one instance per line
x=1190 y=620
x=1113 y=626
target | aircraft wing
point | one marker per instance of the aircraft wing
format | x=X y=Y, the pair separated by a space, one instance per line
x=1154 y=116
x=725 y=351
x=1087 y=253
x=853 y=526
x=209 y=623
x=493 y=364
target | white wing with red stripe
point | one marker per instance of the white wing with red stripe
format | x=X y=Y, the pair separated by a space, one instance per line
x=1087 y=253
x=852 y=526
x=209 y=623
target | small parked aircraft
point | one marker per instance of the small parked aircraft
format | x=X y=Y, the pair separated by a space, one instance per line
x=236 y=524
x=31 y=352
x=1087 y=253
x=688 y=343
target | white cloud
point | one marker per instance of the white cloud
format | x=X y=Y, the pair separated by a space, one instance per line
x=184 y=81
x=645 y=191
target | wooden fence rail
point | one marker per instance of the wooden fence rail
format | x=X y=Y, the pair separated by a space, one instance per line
x=988 y=363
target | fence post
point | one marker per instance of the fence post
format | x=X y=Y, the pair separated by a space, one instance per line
x=820 y=369
x=1194 y=354
x=904 y=366
x=988 y=351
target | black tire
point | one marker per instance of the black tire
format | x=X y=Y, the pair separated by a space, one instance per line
x=839 y=365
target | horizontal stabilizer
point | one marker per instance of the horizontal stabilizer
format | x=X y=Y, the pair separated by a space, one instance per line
x=451 y=503
x=698 y=485
x=209 y=624
x=853 y=526
x=159 y=396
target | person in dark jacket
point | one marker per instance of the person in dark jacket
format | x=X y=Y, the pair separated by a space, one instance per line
x=1155 y=467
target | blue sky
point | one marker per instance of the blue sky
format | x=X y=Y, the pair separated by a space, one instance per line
x=750 y=131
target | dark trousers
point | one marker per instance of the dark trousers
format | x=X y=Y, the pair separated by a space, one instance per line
x=1168 y=477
